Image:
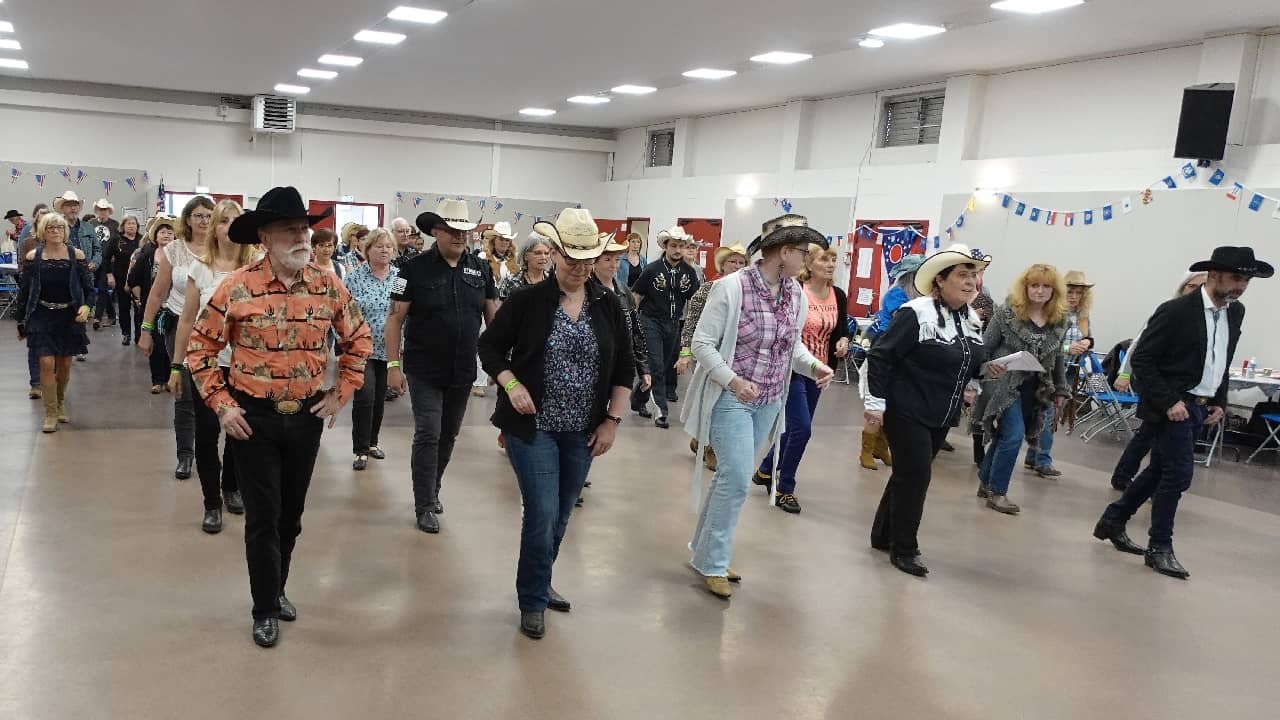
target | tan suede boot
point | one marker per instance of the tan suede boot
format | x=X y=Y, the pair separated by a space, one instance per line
x=881 y=451
x=50 y=397
x=62 y=400
x=869 y=443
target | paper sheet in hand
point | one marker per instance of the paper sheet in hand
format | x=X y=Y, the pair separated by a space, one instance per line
x=1021 y=360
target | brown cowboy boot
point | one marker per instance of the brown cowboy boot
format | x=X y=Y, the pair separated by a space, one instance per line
x=869 y=444
x=881 y=449
x=62 y=400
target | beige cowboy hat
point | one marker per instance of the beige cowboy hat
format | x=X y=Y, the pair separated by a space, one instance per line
x=502 y=230
x=611 y=244
x=952 y=255
x=674 y=232
x=574 y=233
x=1076 y=278
x=103 y=204
x=452 y=213
x=69 y=196
x=724 y=251
x=159 y=221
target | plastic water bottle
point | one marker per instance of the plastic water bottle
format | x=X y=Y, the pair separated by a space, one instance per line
x=1253 y=367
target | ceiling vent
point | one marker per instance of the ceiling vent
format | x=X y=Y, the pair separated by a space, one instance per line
x=274 y=114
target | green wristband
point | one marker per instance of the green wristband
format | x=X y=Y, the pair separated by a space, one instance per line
x=148 y=326
x=686 y=353
x=393 y=364
x=510 y=384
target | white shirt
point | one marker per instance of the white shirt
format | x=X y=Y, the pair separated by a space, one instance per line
x=204 y=280
x=1215 y=357
x=180 y=258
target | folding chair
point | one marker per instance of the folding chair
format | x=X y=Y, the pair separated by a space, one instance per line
x=1273 y=429
x=1112 y=410
x=8 y=291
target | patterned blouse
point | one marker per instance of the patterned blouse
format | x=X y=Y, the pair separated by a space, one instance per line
x=514 y=283
x=374 y=298
x=278 y=335
x=766 y=334
x=571 y=368
x=694 y=313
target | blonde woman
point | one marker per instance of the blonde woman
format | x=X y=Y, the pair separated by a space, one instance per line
x=206 y=273
x=1078 y=341
x=1012 y=407
x=499 y=252
x=370 y=287
x=55 y=294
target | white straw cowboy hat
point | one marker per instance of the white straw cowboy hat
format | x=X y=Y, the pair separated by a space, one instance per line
x=1076 y=278
x=956 y=254
x=723 y=252
x=452 y=213
x=103 y=204
x=574 y=233
x=69 y=196
x=502 y=230
x=611 y=244
x=673 y=233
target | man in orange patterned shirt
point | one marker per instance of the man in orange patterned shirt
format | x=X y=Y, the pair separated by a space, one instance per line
x=276 y=315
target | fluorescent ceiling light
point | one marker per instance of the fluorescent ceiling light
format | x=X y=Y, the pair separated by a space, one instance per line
x=6 y=26
x=710 y=74
x=588 y=99
x=343 y=60
x=418 y=15
x=318 y=74
x=1035 y=7
x=537 y=112
x=13 y=63
x=908 y=31
x=634 y=89
x=379 y=37
x=9 y=45
x=871 y=43
x=292 y=89
x=781 y=58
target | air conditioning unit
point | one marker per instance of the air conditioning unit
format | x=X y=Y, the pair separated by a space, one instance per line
x=274 y=114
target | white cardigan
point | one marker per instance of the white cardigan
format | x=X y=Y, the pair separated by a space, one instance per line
x=714 y=342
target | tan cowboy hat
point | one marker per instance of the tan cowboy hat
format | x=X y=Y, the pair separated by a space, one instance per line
x=159 y=221
x=69 y=196
x=103 y=204
x=453 y=213
x=673 y=233
x=574 y=233
x=956 y=254
x=724 y=251
x=1076 y=278
x=611 y=245
x=502 y=230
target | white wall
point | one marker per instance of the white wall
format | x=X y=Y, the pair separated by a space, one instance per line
x=838 y=132
x=743 y=142
x=1264 y=121
x=187 y=146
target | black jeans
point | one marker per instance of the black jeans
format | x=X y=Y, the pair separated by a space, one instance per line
x=913 y=447
x=1165 y=479
x=217 y=471
x=367 y=407
x=159 y=360
x=663 y=340
x=437 y=417
x=130 y=317
x=1134 y=453
x=105 y=301
x=184 y=408
x=274 y=469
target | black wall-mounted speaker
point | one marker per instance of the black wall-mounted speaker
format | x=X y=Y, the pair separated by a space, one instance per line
x=1202 y=127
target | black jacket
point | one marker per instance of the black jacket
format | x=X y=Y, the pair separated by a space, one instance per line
x=1169 y=360
x=664 y=290
x=516 y=340
x=116 y=257
x=143 y=273
x=639 y=346
x=842 y=326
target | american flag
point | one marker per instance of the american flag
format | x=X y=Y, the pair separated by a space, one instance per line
x=160 y=197
x=40 y=180
x=14 y=174
x=107 y=185
x=132 y=183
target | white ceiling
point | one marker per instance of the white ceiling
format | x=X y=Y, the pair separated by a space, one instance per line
x=490 y=58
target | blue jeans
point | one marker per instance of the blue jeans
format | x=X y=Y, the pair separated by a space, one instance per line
x=551 y=469
x=33 y=365
x=996 y=469
x=1131 y=460
x=1165 y=479
x=737 y=433
x=1042 y=456
x=802 y=404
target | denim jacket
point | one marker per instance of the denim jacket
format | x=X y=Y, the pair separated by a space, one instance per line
x=83 y=290
x=81 y=236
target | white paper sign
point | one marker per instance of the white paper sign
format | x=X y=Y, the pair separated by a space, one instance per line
x=1021 y=360
x=865 y=256
x=864 y=296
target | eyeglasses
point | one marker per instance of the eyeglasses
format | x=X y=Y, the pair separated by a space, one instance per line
x=202 y=216
x=575 y=264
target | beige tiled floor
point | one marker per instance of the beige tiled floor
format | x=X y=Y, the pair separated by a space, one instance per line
x=113 y=604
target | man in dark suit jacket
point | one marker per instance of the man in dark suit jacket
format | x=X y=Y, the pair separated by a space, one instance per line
x=1180 y=371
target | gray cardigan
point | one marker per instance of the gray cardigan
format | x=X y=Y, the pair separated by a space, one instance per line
x=1006 y=334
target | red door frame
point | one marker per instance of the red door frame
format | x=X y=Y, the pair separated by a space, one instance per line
x=859 y=240
x=706 y=231
x=315 y=207
x=614 y=226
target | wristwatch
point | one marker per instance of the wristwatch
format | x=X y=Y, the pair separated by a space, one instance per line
x=616 y=419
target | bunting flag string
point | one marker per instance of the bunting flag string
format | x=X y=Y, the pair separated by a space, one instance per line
x=40 y=180
x=80 y=176
x=14 y=174
x=65 y=172
x=76 y=176
x=106 y=187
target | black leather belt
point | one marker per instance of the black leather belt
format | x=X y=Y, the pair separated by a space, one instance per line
x=1198 y=400
x=54 y=306
x=280 y=407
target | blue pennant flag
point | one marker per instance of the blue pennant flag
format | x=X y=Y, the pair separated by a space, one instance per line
x=1189 y=171
x=1107 y=212
x=937 y=241
x=399 y=197
x=1006 y=201
x=1255 y=204
x=1022 y=209
x=498 y=206
x=1035 y=215
x=1088 y=217
x=960 y=221
x=1218 y=176
x=1173 y=185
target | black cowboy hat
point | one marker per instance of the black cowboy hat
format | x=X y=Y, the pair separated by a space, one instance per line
x=12 y=214
x=1229 y=258
x=789 y=229
x=276 y=204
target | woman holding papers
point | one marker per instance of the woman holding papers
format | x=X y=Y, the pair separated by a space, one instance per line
x=1013 y=406
x=918 y=377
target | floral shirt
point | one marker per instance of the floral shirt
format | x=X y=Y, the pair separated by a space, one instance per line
x=766 y=334
x=514 y=282
x=571 y=367
x=278 y=334
x=374 y=298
